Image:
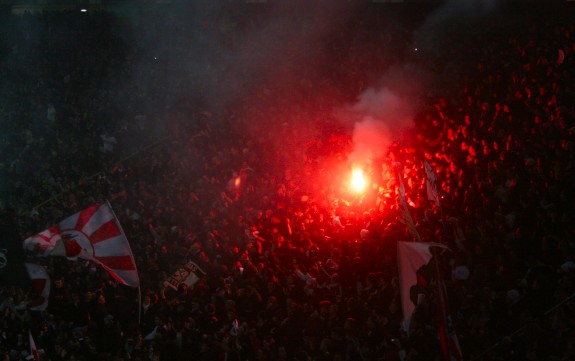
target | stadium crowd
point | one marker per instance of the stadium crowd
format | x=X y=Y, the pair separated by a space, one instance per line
x=292 y=270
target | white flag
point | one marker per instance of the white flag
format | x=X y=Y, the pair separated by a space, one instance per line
x=411 y=257
x=41 y=283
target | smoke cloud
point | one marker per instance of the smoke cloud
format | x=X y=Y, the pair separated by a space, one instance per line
x=451 y=21
x=213 y=54
x=383 y=113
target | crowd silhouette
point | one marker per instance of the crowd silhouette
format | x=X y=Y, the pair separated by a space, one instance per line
x=292 y=269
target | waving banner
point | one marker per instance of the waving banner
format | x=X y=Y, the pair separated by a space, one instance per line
x=93 y=234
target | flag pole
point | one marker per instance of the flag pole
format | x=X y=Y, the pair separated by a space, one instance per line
x=447 y=336
x=33 y=347
x=139 y=304
x=133 y=260
x=92 y=176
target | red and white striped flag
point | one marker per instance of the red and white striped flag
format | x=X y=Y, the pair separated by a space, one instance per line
x=44 y=242
x=93 y=234
x=41 y=283
x=33 y=349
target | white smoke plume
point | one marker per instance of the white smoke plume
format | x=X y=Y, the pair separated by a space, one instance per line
x=382 y=114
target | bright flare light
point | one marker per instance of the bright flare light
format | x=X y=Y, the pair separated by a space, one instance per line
x=358 y=181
